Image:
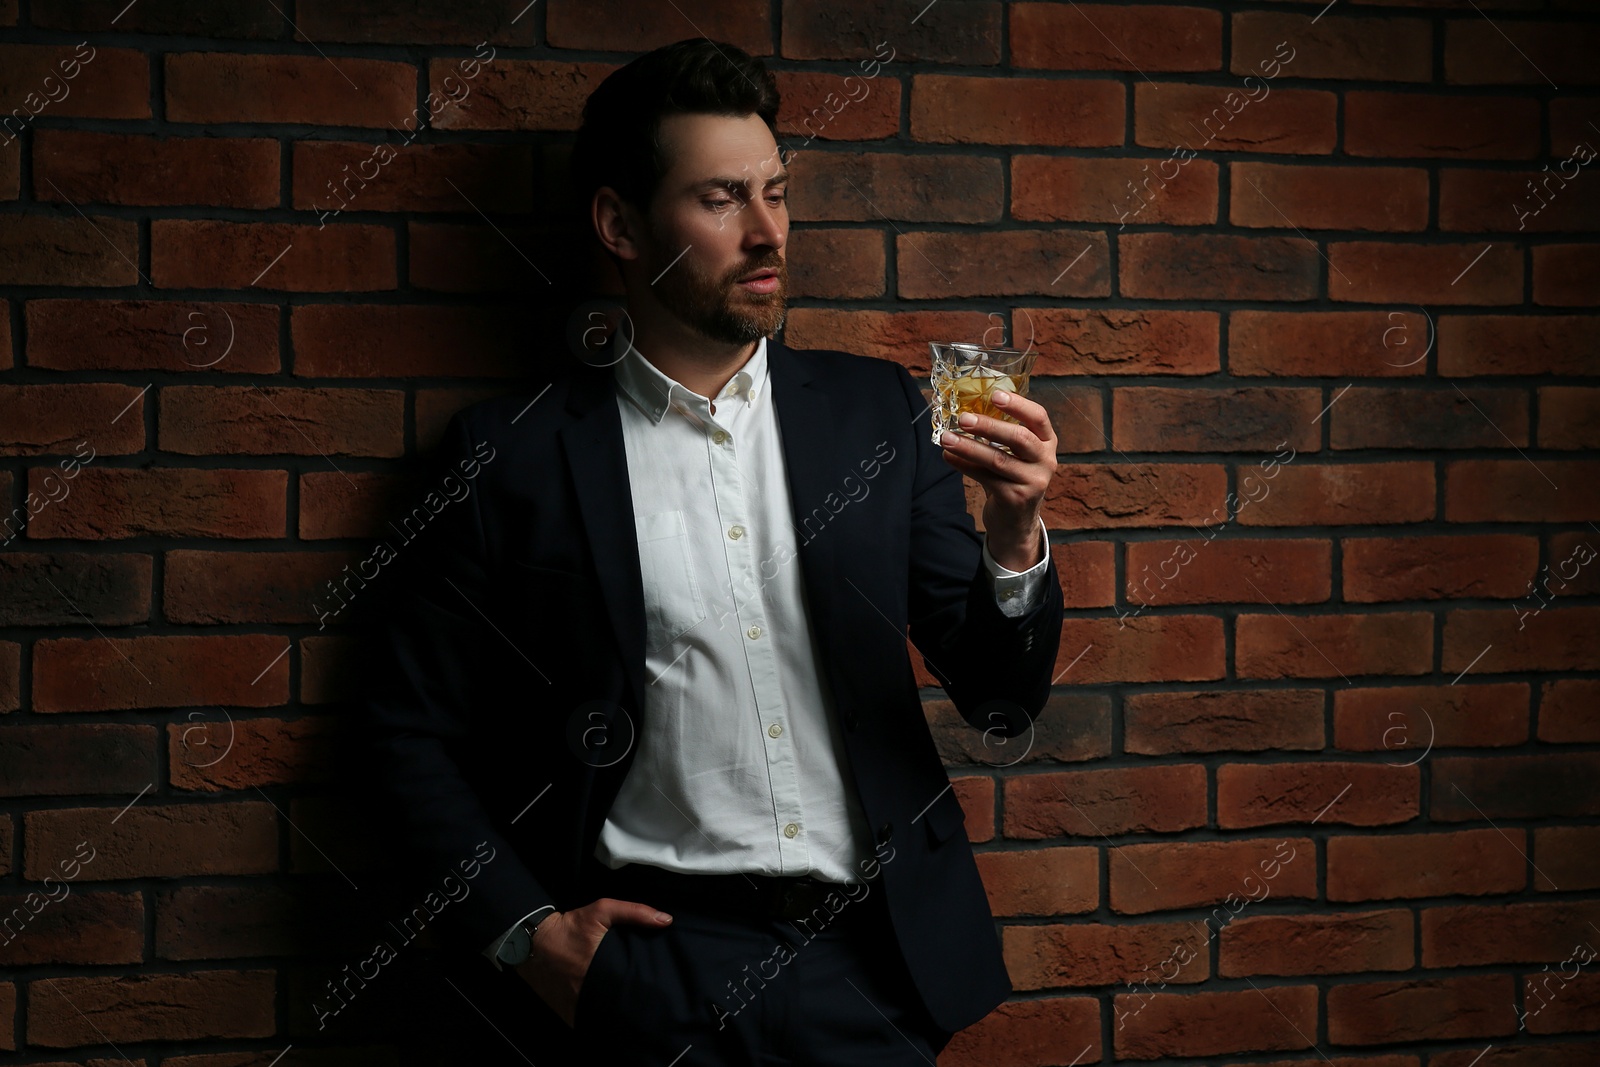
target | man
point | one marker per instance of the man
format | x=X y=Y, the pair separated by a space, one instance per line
x=655 y=665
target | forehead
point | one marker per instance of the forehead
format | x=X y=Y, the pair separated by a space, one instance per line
x=704 y=147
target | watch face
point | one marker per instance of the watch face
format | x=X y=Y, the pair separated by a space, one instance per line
x=514 y=949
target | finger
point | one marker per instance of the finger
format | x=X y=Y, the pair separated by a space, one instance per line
x=634 y=912
x=982 y=461
x=1030 y=413
x=1021 y=440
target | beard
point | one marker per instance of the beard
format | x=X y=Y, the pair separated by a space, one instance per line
x=716 y=305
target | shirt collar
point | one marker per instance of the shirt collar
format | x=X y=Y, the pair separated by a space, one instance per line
x=655 y=393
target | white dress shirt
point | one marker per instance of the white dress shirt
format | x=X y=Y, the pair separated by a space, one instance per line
x=740 y=763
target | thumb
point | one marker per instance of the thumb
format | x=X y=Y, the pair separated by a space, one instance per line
x=635 y=912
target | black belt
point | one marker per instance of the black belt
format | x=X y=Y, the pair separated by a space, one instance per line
x=758 y=895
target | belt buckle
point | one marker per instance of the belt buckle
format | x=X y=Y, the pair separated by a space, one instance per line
x=799 y=899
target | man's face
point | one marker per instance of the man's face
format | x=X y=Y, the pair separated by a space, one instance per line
x=720 y=215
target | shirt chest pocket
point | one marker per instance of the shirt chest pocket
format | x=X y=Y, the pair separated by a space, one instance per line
x=673 y=602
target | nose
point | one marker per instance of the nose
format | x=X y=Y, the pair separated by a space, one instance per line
x=765 y=225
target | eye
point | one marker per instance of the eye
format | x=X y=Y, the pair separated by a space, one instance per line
x=714 y=204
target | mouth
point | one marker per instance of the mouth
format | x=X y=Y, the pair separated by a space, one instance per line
x=761 y=281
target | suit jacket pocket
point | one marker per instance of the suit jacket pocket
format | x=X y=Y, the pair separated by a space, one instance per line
x=672 y=599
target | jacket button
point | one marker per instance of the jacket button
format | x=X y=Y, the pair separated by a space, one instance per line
x=885 y=831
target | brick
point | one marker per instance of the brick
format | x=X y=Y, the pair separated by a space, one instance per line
x=203 y=254
x=61 y=760
x=1337 y=943
x=451 y=258
x=1412 y=720
x=1569 y=573
x=837 y=107
x=1535 y=201
x=1187 y=874
x=1569 y=417
x=1380 y=569
x=1076 y=726
x=1153 y=419
x=1172 y=266
x=334 y=176
x=107 y=674
x=1107 y=495
x=66 y=588
x=641 y=27
x=1165 y=648
x=213 y=755
x=1102 y=802
x=1566 y=858
x=1575 y=1001
x=1569 y=711
x=1418 y=125
x=1230 y=571
x=1093 y=954
x=247 y=18
x=212 y=87
x=976 y=794
x=80 y=166
x=1343 y=344
x=247 y=420
x=6 y=836
x=466 y=22
x=212 y=922
x=1044 y=882
x=163 y=502
x=68 y=250
x=1043 y=1029
x=1371 y=49
x=1166 y=1025
x=152 y=1007
x=1083 y=189
x=433 y=408
x=1346 y=493
x=1351 y=794
x=1112 y=37
x=957 y=109
x=154 y=840
x=207 y=588
x=836 y=265
x=1408 y=866
x=1570 y=115
x=1514 y=344
x=1476 y=934
x=1523 y=54
x=85 y=82
x=968 y=34
x=6 y=358
x=1003 y=263
x=868 y=186
x=1379 y=1013
x=514 y=94
x=1510 y=491
x=1102 y=341
x=1404 y=417
x=355 y=504
x=1087 y=573
x=1214 y=118
x=1163 y=724
x=901 y=337
x=1381 y=272
x=10 y=700
x=357 y=341
x=1468 y=788
x=152 y=335
x=1563 y=275
x=1321 y=646
x=50 y=420
x=1276 y=196
x=79 y=928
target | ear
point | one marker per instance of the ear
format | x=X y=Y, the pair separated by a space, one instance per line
x=616 y=223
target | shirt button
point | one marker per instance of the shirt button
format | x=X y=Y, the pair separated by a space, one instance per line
x=791 y=829
x=736 y=532
x=754 y=632
x=1008 y=594
x=774 y=730
x=720 y=436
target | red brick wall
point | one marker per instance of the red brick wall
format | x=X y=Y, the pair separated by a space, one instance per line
x=1320 y=778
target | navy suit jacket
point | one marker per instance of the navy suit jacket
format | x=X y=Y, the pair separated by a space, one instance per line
x=507 y=676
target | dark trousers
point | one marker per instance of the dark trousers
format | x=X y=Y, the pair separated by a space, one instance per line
x=721 y=989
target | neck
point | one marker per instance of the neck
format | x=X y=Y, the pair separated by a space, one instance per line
x=699 y=363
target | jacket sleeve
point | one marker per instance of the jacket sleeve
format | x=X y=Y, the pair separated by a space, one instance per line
x=995 y=668
x=420 y=709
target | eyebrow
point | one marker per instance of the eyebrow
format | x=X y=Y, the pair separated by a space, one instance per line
x=722 y=182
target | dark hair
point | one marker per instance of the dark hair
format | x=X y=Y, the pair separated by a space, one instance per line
x=619 y=141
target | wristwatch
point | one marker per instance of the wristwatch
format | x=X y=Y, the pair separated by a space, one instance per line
x=514 y=950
